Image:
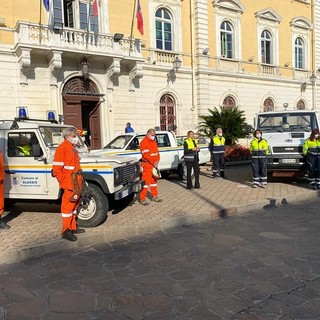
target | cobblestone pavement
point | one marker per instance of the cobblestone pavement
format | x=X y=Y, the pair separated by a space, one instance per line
x=35 y=228
x=258 y=266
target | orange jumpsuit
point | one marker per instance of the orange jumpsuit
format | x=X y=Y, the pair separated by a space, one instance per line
x=150 y=155
x=1 y=184
x=66 y=161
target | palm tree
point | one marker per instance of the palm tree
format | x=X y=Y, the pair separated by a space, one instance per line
x=231 y=120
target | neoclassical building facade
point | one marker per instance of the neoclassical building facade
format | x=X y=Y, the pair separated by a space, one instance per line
x=94 y=68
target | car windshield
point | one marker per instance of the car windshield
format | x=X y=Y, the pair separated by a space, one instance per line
x=52 y=136
x=284 y=122
x=119 y=142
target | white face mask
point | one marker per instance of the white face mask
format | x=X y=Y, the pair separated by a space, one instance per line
x=258 y=135
x=152 y=137
x=73 y=140
x=220 y=134
x=316 y=136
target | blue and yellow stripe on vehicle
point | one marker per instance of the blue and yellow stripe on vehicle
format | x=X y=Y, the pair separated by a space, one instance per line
x=46 y=169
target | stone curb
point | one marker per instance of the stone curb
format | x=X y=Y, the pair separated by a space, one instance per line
x=126 y=232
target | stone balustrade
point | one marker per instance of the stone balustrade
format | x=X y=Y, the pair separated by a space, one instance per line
x=31 y=34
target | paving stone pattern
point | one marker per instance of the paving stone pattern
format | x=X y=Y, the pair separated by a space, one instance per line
x=35 y=227
x=258 y=266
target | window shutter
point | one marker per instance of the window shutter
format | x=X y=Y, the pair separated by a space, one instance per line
x=57 y=15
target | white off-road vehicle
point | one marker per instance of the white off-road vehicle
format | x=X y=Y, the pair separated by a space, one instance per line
x=28 y=176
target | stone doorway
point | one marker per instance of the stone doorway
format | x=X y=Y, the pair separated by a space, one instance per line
x=81 y=108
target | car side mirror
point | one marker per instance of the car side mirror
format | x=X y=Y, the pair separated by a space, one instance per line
x=36 y=150
x=249 y=129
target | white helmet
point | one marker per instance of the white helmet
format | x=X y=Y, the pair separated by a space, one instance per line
x=156 y=173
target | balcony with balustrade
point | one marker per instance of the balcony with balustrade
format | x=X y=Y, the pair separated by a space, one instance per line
x=75 y=43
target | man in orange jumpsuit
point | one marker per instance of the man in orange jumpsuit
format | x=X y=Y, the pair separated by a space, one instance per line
x=66 y=168
x=150 y=159
x=3 y=225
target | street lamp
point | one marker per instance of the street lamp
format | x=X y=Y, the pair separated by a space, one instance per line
x=84 y=67
x=313 y=79
x=171 y=76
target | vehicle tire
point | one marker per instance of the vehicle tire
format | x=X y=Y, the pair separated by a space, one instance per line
x=182 y=171
x=93 y=210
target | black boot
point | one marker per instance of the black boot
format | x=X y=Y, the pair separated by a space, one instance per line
x=78 y=231
x=68 y=235
x=3 y=225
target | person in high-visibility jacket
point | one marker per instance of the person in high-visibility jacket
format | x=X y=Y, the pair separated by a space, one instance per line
x=150 y=159
x=311 y=149
x=259 y=151
x=216 y=148
x=67 y=170
x=191 y=158
x=24 y=149
x=3 y=224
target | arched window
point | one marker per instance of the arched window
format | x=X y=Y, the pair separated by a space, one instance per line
x=226 y=40
x=268 y=105
x=229 y=102
x=167 y=112
x=301 y=105
x=163 y=30
x=299 y=53
x=266 y=47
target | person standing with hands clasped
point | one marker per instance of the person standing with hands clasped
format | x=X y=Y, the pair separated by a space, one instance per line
x=259 y=151
x=67 y=170
x=311 y=149
x=150 y=160
x=216 y=148
x=191 y=158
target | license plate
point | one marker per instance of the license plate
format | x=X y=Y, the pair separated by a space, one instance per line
x=288 y=161
x=125 y=193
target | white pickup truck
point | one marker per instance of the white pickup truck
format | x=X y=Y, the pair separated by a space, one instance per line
x=171 y=151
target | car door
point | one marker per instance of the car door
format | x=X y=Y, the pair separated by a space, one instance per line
x=169 y=155
x=26 y=176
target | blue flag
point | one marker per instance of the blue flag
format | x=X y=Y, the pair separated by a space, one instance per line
x=46 y=4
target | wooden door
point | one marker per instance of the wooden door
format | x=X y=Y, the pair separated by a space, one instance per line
x=72 y=111
x=94 y=120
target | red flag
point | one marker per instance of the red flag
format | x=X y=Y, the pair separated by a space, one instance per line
x=139 y=18
x=95 y=8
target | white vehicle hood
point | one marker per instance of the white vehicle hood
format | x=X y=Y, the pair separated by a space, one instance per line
x=283 y=139
x=101 y=158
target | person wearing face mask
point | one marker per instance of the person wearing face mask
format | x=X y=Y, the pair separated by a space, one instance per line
x=150 y=159
x=311 y=149
x=216 y=148
x=66 y=168
x=259 y=151
x=191 y=158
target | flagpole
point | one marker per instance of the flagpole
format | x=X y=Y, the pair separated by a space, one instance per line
x=88 y=26
x=132 y=24
x=40 y=22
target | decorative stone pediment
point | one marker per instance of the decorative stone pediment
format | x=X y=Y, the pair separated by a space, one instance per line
x=234 y=5
x=268 y=14
x=80 y=85
x=301 y=22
